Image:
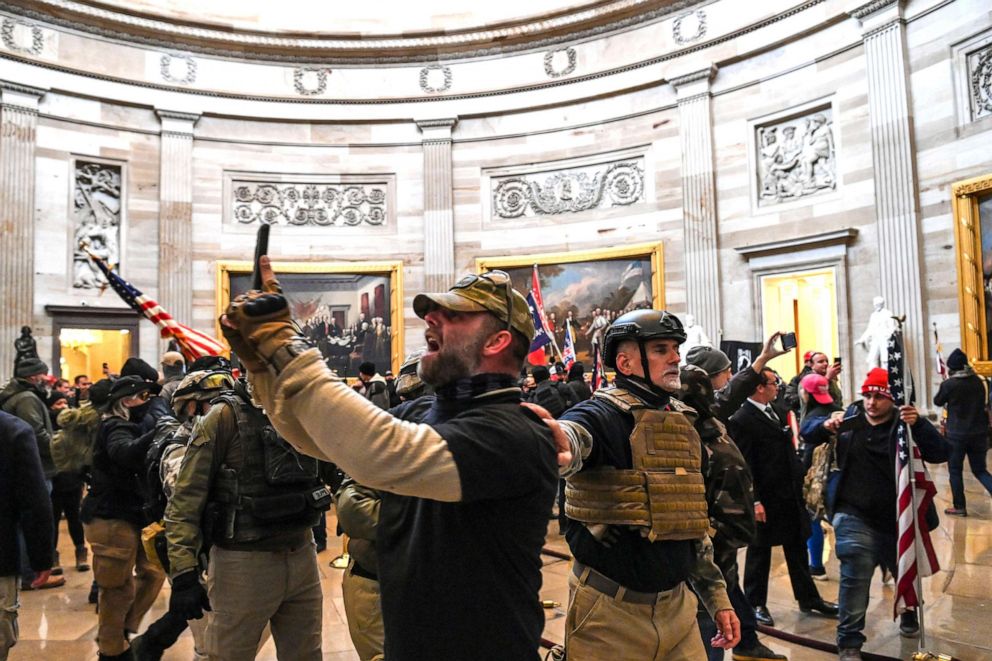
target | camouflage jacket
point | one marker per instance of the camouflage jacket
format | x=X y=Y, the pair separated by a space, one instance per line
x=729 y=486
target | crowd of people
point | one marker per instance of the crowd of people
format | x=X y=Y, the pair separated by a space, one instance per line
x=444 y=479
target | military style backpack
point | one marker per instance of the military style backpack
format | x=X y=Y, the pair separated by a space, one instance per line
x=72 y=446
x=815 y=484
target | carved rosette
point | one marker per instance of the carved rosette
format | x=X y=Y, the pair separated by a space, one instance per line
x=796 y=157
x=689 y=27
x=550 y=65
x=310 y=204
x=185 y=63
x=310 y=81
x=432 y=71
x=96 y=221
x=980 y=74
x=574 y=190
x=9 y=36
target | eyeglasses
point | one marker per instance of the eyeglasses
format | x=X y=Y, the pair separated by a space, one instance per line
x=499 y=279
x=144 y=395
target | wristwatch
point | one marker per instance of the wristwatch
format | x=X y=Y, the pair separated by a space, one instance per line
x=285 y=354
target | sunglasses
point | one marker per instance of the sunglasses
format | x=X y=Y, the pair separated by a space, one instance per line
x=499 y=279
x=144 y=395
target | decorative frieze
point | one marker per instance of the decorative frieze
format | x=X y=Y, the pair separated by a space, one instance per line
x=689 y=27
x=796 y=157
x=601 y=186
x=435 y=78
x=559 y=62
x=96 y=217
x=180 y=69
x=310 y=81
x=980 y=79
x=22 y=37
x=309 y=204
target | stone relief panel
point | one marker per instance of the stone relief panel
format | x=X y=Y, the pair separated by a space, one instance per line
x=22 y=37
x=601 y=186
x=980 y=80
x=796 y=157
x=179 y=69
x=309 y=204
x=96 y=211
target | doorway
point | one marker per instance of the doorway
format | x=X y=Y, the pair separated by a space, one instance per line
x=803 y=302
x=92 y=341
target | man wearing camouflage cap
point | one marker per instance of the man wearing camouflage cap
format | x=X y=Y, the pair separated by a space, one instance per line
x=467 y=484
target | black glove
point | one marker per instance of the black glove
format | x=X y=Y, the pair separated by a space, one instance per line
x=189 y=598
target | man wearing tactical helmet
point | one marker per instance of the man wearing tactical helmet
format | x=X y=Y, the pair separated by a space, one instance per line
x=628 y=597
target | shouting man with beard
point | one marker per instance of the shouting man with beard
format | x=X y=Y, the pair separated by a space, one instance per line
x=467 y=482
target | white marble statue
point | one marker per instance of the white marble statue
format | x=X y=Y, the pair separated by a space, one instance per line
x=875 y=339
x=695 y=336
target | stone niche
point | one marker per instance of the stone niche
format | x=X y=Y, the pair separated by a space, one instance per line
x=96 y=220
x=796 y=156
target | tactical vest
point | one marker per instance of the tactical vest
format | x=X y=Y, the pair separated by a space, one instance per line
x=663 y=492
x=276 y=490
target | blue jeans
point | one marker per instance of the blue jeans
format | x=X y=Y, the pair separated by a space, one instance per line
x=860 y=549
x=815 y=544
x=974 y=447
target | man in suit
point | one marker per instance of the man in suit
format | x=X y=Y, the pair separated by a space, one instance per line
x=766 y=443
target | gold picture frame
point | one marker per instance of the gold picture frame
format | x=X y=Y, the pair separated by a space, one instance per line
x=605 y=263
x=972 y=286
x=392 y=270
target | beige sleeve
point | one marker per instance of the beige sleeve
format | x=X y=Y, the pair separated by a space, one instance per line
x=324 y=418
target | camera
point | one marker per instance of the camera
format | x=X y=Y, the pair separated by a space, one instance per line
x=788 y=341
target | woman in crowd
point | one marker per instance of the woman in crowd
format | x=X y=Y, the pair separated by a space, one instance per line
x=113 y=517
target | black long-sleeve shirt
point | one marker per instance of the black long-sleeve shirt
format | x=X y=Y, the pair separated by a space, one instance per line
x=965 y=399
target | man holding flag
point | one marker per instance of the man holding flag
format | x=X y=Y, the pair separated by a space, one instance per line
x=881 y=446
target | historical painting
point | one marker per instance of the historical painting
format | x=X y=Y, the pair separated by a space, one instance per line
x=588 y=289
x=796 y=157
x=96 y=211
x=348 y=311
x=972 y=205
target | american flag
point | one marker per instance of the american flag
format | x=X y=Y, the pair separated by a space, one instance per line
x=914 y=550
x=568 y=353
x=193 y=344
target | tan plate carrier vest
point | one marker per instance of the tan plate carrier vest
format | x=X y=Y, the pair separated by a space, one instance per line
x=663 y=493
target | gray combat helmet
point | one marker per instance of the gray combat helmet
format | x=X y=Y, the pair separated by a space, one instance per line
x=641 y=326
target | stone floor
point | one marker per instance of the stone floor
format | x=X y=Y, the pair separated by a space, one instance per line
x=58 y=624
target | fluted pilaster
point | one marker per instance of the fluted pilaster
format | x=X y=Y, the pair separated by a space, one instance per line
x=896 y=201
x=702 y=272
x=439 y=217
x=18 y=128
x=175 y=225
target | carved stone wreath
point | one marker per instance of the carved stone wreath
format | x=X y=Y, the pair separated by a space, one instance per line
x=981 y=84
x=309 y=204
x=549 y=60
x=298 y=80
x=681 y=38
x=425 y=75
x=37 y=37
x=166 y=69
x=570 y=191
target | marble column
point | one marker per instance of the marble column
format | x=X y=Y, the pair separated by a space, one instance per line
x=896 y=200
x=439 y=216
x=18 y=132
x=702 y=270
x=175 y=224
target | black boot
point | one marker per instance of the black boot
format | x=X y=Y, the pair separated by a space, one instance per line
x=145 y=649
x=123 y=656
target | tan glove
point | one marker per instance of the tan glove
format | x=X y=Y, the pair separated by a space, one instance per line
x=258 y=323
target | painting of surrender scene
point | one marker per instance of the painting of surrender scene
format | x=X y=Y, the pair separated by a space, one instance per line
x=348 y=316
x=586 y=294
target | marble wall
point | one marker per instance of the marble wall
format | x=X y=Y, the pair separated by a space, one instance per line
x=727 y=201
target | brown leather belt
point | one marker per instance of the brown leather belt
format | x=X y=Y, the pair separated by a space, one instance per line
x=595 y=580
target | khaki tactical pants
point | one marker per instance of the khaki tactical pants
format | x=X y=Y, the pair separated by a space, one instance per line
x=249 y=589
x=128 y=582
x=9 y=587
x=364 y=612
x=601 y=627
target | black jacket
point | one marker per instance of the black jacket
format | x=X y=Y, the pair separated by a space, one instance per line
x=966 y=402
x=118 y=490
x=730 y=398
x=24 y=499
x=778 y=475
x=580 y=390
x=553 y=396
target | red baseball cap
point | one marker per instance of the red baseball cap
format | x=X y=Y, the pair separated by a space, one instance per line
x=808 y=355
x=877 y=381
x=818 y=388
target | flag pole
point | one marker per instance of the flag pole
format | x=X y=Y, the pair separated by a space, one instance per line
x=910 y=445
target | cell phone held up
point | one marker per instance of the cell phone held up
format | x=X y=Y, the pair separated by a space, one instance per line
x=788 y=341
